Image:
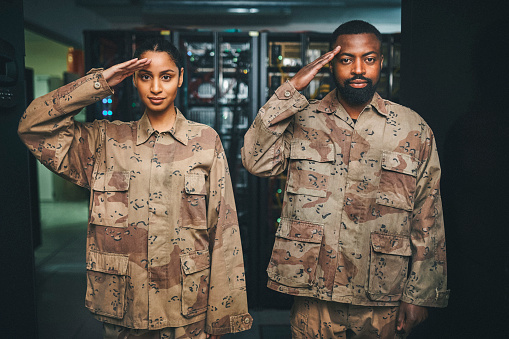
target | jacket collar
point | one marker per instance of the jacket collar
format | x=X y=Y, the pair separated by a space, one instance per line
x=179 y=130
x=330 y=104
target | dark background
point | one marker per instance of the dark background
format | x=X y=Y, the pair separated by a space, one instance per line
x=453 y=72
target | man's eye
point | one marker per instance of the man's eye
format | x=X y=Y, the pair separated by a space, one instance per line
x=345 y=60
x=370 y=59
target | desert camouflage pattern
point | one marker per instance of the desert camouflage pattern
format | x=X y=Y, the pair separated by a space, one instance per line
x=319 y=319
x=362 y=215
x=194 y=331
x=163 y=245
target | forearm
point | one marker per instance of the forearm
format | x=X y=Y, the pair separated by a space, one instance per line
x=49 y=131
x=427 y=283
x=266 y=143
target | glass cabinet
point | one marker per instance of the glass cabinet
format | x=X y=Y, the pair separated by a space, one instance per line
x=220 y=89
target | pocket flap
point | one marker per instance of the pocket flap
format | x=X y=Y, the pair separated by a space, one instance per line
x=110 y=263
x=300 y=230
x=195 y=183
x=307 y=150
x=195 y=261
x=399 y=162
x=391 y=244
x=111 y=181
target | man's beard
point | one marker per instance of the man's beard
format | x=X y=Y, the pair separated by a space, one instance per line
x=356 y=96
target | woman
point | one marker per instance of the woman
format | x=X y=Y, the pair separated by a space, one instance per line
x=164 y=258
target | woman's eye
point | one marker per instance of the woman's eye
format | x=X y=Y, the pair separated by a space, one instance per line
x=166 y=77
x=144 y=77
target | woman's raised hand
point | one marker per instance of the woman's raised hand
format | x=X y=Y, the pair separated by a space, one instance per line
x=116 y=74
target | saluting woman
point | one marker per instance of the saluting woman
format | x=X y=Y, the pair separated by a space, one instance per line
x=164 y=258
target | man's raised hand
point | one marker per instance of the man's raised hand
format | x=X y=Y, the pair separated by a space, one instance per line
x=117 y=73
x=303 y=77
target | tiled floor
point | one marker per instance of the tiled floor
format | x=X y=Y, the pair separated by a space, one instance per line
x=61 y=284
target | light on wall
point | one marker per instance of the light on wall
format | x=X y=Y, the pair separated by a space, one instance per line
x=243 y=10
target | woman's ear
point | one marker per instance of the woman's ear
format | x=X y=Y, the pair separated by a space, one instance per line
x=181 y=76
x=134 y=79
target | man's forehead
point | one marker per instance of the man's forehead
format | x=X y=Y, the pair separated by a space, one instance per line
x=358 y=42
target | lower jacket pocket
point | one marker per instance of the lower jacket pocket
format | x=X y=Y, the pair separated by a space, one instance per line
x=295 y=255
x=195 y=282
x=388 y=266
x=107 y=284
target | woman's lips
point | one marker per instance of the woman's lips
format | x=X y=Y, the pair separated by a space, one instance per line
x=156 y=100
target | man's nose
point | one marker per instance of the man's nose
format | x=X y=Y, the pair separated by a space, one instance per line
x=358 y=67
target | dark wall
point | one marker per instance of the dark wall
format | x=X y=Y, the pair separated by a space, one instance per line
x=454 y=73
x=17 y=301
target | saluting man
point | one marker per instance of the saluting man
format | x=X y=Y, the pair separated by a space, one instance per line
x=361 y=241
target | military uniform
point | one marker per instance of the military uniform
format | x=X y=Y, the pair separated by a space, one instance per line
x=163 y=245
x=362 y=218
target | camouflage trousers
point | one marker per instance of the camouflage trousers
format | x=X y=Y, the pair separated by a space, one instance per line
x=194 y=331
x=319 y=319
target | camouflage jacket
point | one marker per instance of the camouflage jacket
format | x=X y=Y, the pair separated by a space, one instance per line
x=362 y=216
x=163 y=244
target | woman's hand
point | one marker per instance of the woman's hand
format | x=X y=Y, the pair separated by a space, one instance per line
x=116 y=74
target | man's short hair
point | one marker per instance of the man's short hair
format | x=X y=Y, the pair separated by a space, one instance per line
x=355 y=27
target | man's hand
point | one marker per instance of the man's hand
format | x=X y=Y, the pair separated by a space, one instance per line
x=212 y=336
x=410 y=316
x=116 y=74
x=303 y=77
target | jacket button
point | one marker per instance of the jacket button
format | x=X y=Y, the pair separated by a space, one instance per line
x=97 y=85
x=287 y=94
x=246 y=320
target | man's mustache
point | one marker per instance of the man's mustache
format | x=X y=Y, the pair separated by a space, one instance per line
x=358 y=77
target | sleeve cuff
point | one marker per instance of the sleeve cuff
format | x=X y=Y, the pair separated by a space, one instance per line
x=100 y=83
x=441 y=300
x=235 y=323
x=285 y=91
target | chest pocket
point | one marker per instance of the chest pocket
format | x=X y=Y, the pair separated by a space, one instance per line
x=193 y=207
x=397 y=181
x=110 y=203
x=310 y=167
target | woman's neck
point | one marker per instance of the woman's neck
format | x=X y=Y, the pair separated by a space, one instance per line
x=162 y=121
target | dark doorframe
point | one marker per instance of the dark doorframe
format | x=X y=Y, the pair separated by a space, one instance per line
x=17 y=290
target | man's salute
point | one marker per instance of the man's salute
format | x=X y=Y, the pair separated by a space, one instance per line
x=361 y=241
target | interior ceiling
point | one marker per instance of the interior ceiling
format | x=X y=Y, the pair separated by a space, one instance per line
x=217 y=12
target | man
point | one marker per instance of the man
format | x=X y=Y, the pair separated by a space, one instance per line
x=361 y=240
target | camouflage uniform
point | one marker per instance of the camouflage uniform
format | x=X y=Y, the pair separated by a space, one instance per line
x=315 y=318
x=362 y=216
x=191 y=331
x=163 y=244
